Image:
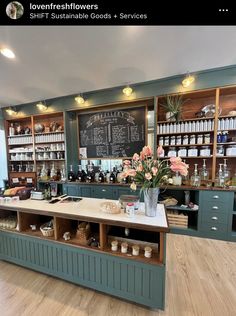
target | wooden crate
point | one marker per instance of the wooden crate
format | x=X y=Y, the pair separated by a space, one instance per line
x=177 y=220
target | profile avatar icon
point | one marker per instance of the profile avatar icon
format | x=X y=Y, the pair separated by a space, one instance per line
x=14 y=10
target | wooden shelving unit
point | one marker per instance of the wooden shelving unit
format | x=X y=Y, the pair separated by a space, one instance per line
x=224 y=100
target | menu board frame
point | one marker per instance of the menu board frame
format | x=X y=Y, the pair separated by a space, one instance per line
x=130 y=108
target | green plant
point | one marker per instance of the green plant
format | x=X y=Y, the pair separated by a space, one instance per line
x=173 y=104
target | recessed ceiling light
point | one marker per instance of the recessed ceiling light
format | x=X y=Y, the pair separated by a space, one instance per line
x=7 y=53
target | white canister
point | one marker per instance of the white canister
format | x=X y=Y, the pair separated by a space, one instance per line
x=114 y=245
x=124 y=247
x=148 y=252
x=135 y=250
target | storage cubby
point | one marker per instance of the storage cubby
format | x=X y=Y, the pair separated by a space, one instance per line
x=30 y=224
x=8 y=220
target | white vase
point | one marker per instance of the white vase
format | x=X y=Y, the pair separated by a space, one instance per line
x=150 y=201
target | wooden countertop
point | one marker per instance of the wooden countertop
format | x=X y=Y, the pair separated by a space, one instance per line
x=89 y=209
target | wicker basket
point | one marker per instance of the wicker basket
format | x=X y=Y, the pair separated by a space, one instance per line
x=46 y=231
x=83 y=232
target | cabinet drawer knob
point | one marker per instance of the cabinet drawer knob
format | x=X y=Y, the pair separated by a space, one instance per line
x=215 y=196
x=215 y=207
x=103 y=190
x=215 y=218
x=214 y=228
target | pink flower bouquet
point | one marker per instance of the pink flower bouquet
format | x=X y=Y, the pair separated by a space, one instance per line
x=150 y=172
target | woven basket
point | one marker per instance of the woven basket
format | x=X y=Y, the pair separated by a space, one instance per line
x=83 y=232
x=47 y=232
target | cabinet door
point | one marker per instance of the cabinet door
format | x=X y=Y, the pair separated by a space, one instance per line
x=71 y=189
x=86 y=191
x=102 y=192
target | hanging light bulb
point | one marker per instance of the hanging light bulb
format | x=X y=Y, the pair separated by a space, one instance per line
x=80 y=99
x=41 y=106
x=128 y=91
x=11 y=111
x=188 y=80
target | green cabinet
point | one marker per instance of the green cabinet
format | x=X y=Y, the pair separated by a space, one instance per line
x=215 y=211
x=71 y=189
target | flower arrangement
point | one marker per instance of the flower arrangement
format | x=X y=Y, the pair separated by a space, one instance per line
x=149 y=172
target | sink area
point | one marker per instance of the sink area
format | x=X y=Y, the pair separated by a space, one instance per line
x=69 y=199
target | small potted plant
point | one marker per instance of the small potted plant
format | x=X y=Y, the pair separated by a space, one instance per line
x=173 y=106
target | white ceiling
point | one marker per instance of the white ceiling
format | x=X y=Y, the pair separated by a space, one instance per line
x=54 y=61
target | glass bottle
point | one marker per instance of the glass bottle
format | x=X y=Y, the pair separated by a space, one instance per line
x=177 y=179
x=90 y=174
x=58 y=174
x=71 y=174
x=220 y=181
x=226 y=173
x=112 y=178
x=195 y=178
x=63 y=173
x=185 y=179
x=43 y=174
x=53 y=172
x=80 y=175
x=204 y=174
x=101 y=177
x=47 y=191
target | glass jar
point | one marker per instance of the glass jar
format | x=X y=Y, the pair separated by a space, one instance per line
x=177 y=179
x=192 y=139
x=192 y=151
x=185 y=140
x=220 y=150
x=205 y=151
x=231 y=150
x=199 y=139
x=161 y=141
x=182 y=152
x=172 y=140
x=172 y=152
x=166 y=140
x=178 y=140
x=207 y=139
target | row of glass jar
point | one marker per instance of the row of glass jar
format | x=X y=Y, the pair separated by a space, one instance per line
x=21 y=156
x=227 y=123
x=186 y=127
x=59 y=146
x=229 y=151
x=54 y=137
x=192 y=151
x=20 y=140
x=185 y=140
x=50 y=155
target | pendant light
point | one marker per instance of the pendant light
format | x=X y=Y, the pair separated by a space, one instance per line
x=128 y=91
x=188 y=80
x=42 y=106
x=79 y=99
x=11 y=111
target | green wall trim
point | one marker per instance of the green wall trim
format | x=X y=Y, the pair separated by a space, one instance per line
x=204 y=79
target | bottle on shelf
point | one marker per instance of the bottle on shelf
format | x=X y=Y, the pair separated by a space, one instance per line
x=177 y=179
x=53 y=173
x=58 y=175
x=204 y=174
x=112 y=178
x=90 y=174
x=226 y=173
x=47 y=191
x=185 y=179
x=63 y=173
x=220 y=181
x=11 y=130
x=71 y=174
x=81 y=176
x=195 y=178
x=101 y=177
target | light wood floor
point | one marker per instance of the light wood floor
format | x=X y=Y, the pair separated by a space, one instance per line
x=201 y=280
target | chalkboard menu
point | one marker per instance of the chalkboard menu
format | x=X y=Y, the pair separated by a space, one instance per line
x=117 y=133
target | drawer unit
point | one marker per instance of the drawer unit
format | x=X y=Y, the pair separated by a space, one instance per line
x=215 y=230
x=221 y=196
x=214 y=206
x=214 y=217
